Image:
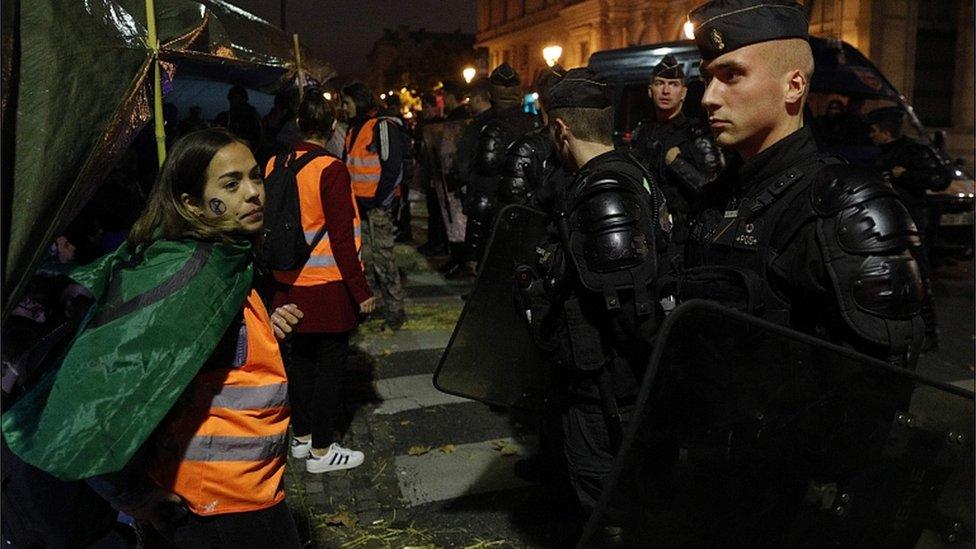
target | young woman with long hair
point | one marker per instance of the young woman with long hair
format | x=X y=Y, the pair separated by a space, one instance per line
x=172 y=399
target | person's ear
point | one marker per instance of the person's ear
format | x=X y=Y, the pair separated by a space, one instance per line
x=191 y=204
x=796 y=86
x=563 y=131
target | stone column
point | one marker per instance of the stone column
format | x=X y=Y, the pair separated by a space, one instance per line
x=963 y=116
x=894 y=29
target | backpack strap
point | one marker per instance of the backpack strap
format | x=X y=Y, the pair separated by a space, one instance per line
x=298 y=164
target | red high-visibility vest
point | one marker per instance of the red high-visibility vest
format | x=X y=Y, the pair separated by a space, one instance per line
x=223 y=447
x=364 y=164
x=321 y=266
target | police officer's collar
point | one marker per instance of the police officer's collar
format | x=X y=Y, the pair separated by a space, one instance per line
x=779 y=157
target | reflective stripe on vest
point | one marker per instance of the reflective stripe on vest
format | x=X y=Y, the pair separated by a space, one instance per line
x=364 y=164
x=223 y=447
x=321 y=266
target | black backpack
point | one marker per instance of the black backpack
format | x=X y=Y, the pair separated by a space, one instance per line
x=285 y=247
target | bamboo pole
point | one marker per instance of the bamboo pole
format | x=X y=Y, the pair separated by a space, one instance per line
x=298 y=66
x=153 y=43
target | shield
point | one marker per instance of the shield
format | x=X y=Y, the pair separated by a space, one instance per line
x=748 y=431
x=491 y=356
x=439 y=152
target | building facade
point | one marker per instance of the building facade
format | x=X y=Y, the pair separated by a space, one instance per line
x=925 y=47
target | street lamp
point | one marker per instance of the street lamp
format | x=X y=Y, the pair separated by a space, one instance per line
x=689 y=30
x=552 y=54
x=468 y=74
x=328 y=96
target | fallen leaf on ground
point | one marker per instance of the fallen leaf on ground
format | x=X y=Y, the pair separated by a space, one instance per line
x=448 y=448
x=418 y=450
x=342 y=518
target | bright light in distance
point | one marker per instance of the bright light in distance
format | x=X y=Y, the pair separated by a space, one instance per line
x=552 y=54
x=327 y=96
x=382 y=96
x=661 y=51
x=689 y=29
x=535 y=96
x=468 y=74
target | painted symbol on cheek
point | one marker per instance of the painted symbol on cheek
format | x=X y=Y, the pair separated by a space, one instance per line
x=217 y=206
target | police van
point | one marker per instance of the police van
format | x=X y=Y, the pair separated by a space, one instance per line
x=844 y=87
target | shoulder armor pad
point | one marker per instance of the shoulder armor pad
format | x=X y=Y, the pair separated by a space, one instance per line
x=878 y=225
x=839 y=186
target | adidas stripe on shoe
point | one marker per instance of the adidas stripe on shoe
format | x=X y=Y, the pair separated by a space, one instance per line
x=336 y=459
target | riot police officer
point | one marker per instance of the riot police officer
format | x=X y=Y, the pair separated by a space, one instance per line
x=912 y=169
x=531 y=170
x=507 y=123
x=816 y=244
x=677 y=147
x=590 y=299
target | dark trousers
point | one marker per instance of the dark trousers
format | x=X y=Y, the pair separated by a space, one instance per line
x=271 y=527
x=315 y=368
x=436 y=233
x=589 y=461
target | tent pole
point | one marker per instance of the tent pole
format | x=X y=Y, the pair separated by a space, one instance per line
x=158 y=121
x=298 y=65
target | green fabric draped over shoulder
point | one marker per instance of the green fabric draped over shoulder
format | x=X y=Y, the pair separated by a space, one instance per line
x=159 y=315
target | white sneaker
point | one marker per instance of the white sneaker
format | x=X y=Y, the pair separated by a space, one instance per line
x=299 y=449
x=336 y=459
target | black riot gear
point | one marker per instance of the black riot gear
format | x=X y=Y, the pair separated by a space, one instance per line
x=531 y=172
x=923 y=171
x=745 y=430
x=588 y=300
x=496 y=135
x=824 y=247
x=610 y=220
x=683 y=181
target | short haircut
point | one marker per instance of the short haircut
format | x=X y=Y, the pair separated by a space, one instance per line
x=361 y=95
x=594 y=125
x=789 y=54
x=315 y=114
x=893 y=127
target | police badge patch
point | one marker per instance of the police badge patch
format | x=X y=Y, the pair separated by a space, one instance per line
x=717 y=40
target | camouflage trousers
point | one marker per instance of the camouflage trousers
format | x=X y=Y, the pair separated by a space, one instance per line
x=380 y=263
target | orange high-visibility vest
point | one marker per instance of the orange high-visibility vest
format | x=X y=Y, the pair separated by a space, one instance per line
x=223 y=448
x=364 y=164
x=321 y=266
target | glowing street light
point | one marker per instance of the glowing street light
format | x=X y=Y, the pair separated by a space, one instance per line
x=552 y=54
x=468 y=74
x=689 y=29
x=328 y=96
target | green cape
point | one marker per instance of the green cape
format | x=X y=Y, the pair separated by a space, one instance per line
x=158 y=317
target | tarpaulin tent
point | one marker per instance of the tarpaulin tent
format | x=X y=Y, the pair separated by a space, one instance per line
x=77 y=89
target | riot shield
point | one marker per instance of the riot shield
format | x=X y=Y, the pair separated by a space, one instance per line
x=491 y=356
x=749 y=434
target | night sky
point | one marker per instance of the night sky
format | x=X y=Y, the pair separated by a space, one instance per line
x=343 y=32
